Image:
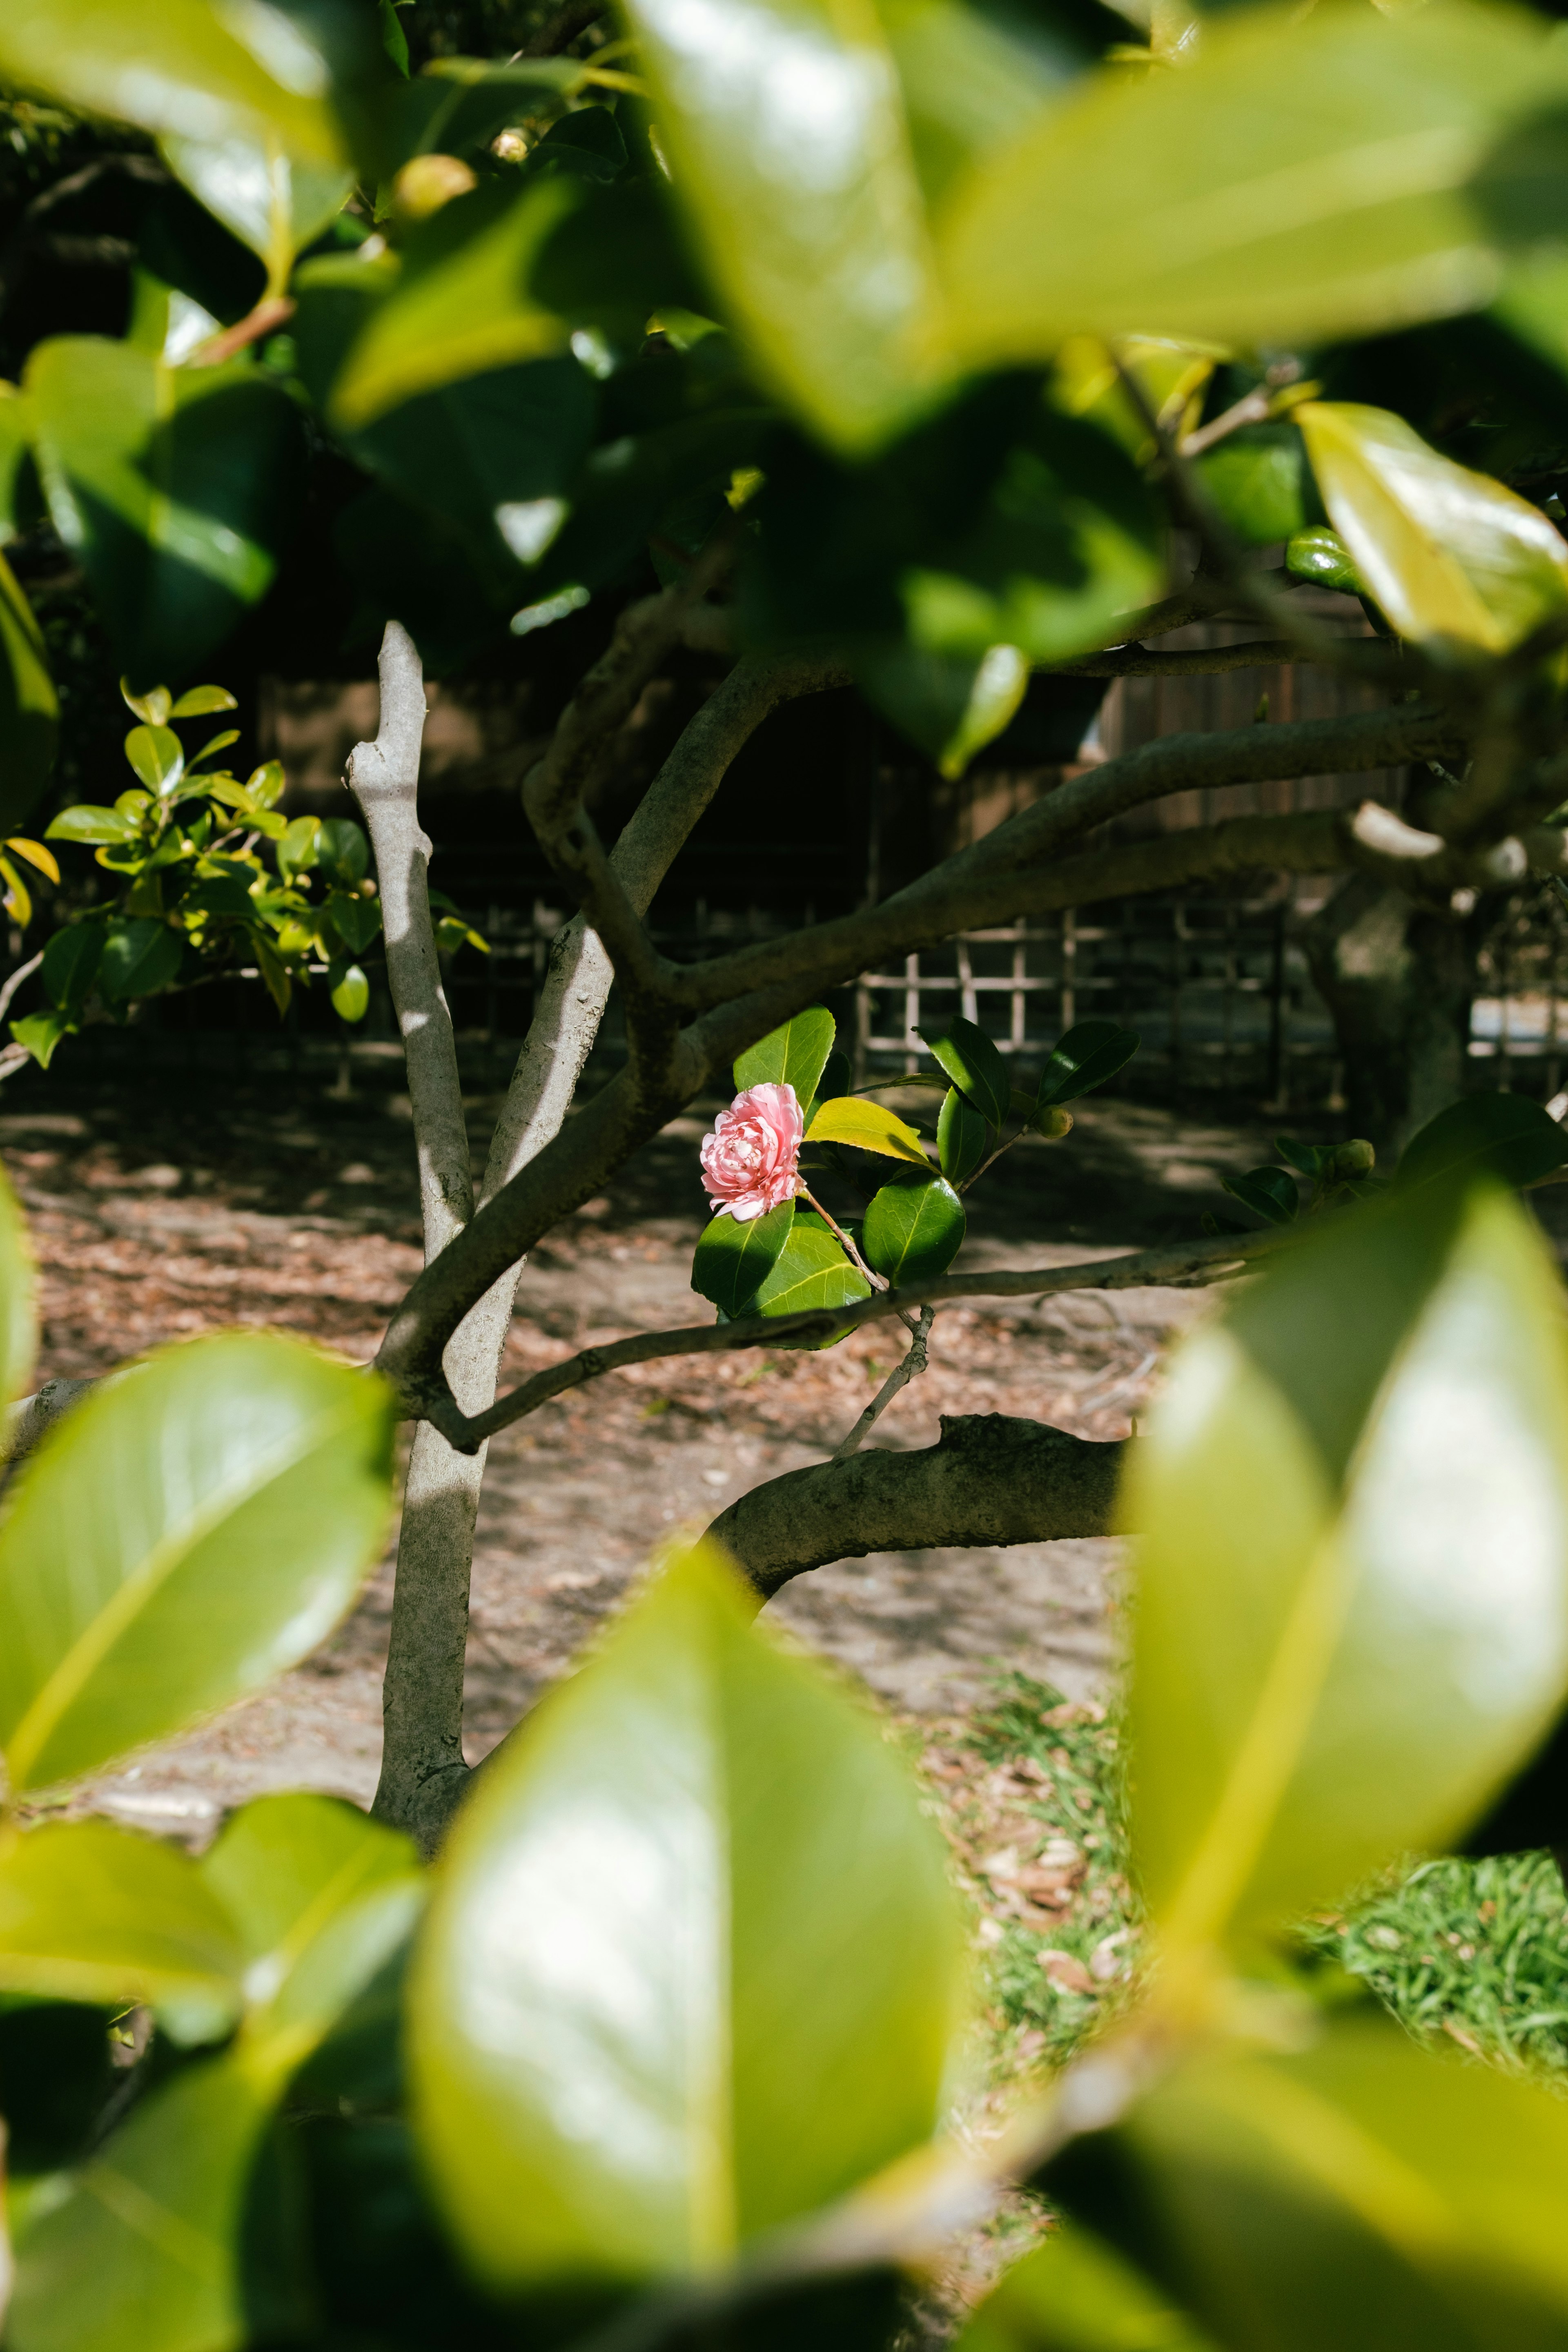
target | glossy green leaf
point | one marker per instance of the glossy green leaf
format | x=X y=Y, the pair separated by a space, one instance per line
x=16 y=460
x=272 y=201
x=218 y=1504
x=176 y=490
x=1505 y=1136
x=1085 y=1057
x=849 y=1118
x=141 y=955
x=143 y=2249
x=356 y=920
x=156 y=756
x=462 y=304
x=320 y=1895
x=29 y=707
x=1361 y=2193
x=949 y=705
x=811 y=1270
x=732 y=1260
x=92 y=1913
x=1302 y=178
x=1352 y=1616
x=18 y=1297
x=789 y=152
x=350 y=994
x=794 y=1055
x=1448 y=554
x=200 y=701
x=86 y=822
x=342 y=849
x=1256 y=481
x=913 y=1231
x=1319 y=555
x=181 y=68
x=967 y=85
x=616 y=2069
x=40 y=1033
x=1075 y=2294
x=1270 y=1192
x=976 y=1065
x=963 y=1137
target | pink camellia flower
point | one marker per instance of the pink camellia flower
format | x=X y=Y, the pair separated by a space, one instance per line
x=749 y=1161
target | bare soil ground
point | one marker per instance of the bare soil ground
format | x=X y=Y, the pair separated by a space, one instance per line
x=165 y=1208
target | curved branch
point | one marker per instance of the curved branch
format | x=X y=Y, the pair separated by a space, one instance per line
x=990 y=1479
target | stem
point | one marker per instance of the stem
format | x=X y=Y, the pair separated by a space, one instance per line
x=913 y=1365
x=877 y=1281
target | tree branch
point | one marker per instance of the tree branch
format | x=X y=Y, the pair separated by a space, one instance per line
x=990 y=1480
x=385 y=779
x=1370 y=656
x=898 y=1379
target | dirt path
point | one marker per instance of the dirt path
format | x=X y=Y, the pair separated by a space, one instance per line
x=159 y=1213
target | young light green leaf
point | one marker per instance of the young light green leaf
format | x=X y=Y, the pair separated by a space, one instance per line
x=174 y=487
x=351 y=993
x=1086 y=1057
x=92 y=1913
x=794 y=1055
x=18 y=1297
x=1505 y=1136
x=1352 y=1613
x=1361 y=2192
x=816 y=238
x=1448 y=554
x=614 y=2071
x=976 y=1065
x=156 y=756
x=86 y=822
x=275 y=203
x=732 y=1260
x=811 y=1270
x=1075 y=2294
x=913 y=1231
x=962 y=1137
x=218 y=1504
x=29 y=707
x=40 y=1033
x=143 y=2247
x=848 y=1118
x=1197 y=204
x=200 y=701
x=320 y=1897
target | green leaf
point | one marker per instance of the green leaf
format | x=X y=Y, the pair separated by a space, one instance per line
x=627 y=2080
x=351 y=993
x=143 y=2247
x=1256 y=481
x=811 y=1270
x=847 y=1118
x=949 y=705
x=275 y=203
x=141 y=955
x=218 y=1504
x=1360 y=2193
x=732 y=1260
x=18 y=1297
x=176 y=489
x=462 y=304
x=1505 y=1136
x=913 y=1231
x=356 y=920
x=1448 y=554
x=1353 y=1612
x=342 y=850
x=40 y=1033
x=815 y=236
x=1270 y=1192
x=156 y=756
x=86 y=822
x=1086 y=1057
x=15 y=462
x=92 y=1913
x=795 y=1056
x=1199 y=203
x=29 y=707
x=963 y=1137
x=1074 y=2294
x=321 y=1898
x=200 y=701
x=976 y=1065
x=1319 y=555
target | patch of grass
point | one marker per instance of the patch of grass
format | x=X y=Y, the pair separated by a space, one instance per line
x=1032 y=1794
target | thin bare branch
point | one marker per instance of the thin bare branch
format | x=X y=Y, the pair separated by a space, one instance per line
x=1365 y=654
x=24 y=971
x=912 y=1365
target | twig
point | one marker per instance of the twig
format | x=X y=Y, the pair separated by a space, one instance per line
x=22 y=972
x=877 y=1281
x=912 y=1366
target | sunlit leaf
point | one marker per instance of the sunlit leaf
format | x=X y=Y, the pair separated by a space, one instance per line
x=732 y=1260
x=616 y=2071
x=1302 y=178
x=1074 y=2294
x=156 y=756
x=218 y=1504
x=1352 y=1616
x=849 y=1118
x=29 y=707
x=792 y=1056
x=1445 y=552
x=811 y=1270
x=913 y=1231
x=92 y=1913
